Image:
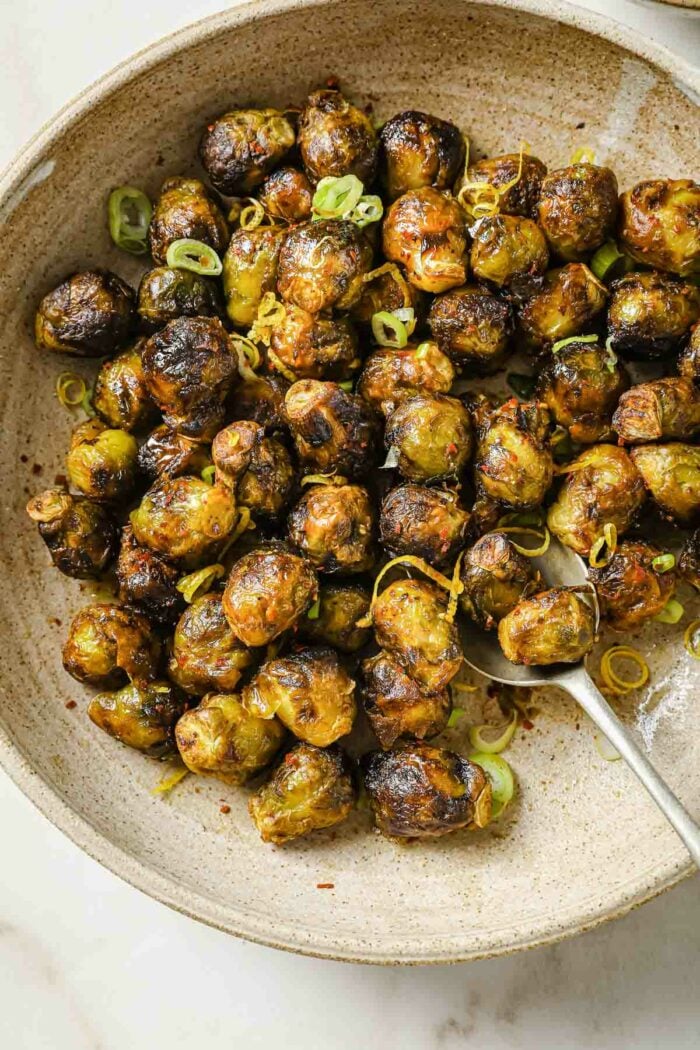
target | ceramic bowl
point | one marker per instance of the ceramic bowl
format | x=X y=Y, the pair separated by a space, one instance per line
x=583 y=842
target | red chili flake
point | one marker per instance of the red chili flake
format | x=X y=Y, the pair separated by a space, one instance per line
x=224 y=809
x=333 y=83
x=61 y=479
x=24 y=458
x=527 y=724
x=325 y=885
x=210 y=127
x=70 y=704
x=452 y=448
x=37 y=469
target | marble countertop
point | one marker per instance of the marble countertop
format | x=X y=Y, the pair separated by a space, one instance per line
x=88 y=963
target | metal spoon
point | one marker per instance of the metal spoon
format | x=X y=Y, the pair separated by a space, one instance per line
x=562 y=567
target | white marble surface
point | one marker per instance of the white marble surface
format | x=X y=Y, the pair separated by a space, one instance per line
x=87 y=963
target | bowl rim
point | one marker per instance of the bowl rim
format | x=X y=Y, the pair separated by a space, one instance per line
x=15 y=181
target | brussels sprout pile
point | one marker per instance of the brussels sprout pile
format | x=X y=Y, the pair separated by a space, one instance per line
x=301 y=391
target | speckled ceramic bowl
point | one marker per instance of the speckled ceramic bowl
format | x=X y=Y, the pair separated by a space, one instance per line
x=583 y=842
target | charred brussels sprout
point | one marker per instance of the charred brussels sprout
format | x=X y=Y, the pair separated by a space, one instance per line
x=581 y=385
x=310 y=789
x=322 y=264
x=206 y=655
x=425 y=230
x=336 y=138
x=432 y=435
x=168 y=453
x=340 y=606
x=390 y=376
x=184 y=517
x=495 y=576
x=239 y=148
x=166 y=293
x=409 y=622
x=567 y=304
x=221 y=739
x=250 y=271
x=554 y=627
x=332 y=430
x=184 y=210
x=630 y=589
x=507 y=248
x=660 y=224
x=147 y=581
x=473 y=327
x=258 y=468
x=334 y=526
x=266 y=593
x=660 y=409
x=106 y=644
x=513 y=464
x=261 y=399
x=314 y=347
x=524 y=173
x=577 y=209
x=689 y=358
x=90 y=314
x=101 y=463
x=141 y=715
x=396 y=707
x=650 y=314
x=418 y=791
x=286 y=194
x=189 y=368
x=81 y=536
x=602 y=486
x=309 y=692
x=419 y=150
x=429 y=523
x=121 y=398
x=671 y=473
x=689 y=560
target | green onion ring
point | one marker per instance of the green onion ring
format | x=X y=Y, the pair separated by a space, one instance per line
x=492 y=746
x=456 y=714
x=129 y=214
x=561 y=343
x=672 y=612
x=368 y=209
x=664 y=562
x=208 y=474
x=383 y=322
x=315 y=610
x=199 y=582
x=606 y=260
x=500 y=775
x=188 y=254
x=336 y=197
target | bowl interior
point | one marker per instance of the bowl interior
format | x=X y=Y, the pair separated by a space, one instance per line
x=583 y=841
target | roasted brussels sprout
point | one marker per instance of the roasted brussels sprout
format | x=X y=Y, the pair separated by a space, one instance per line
x=81 y=536
x=168 y=453
x=258 y=468
x=689 y=560
x=336 y=138
x=141 y=715
x=166 y=293
x=569 y=301
x=261 y=399
x=286 y=194
x=90 y=314
x=419 y=150
x=147 y=581
x=660 y=409
x=650 y=314
x=689 y=358
x=630 y=589
x=388 y=291
x=395 y=705
x=495 y=577
x=310 y=789
x=102 y=463
x=409 y=622
x=332 y=430
x=524 y=172
x=432 y=436
x=388 y=376
x=309 y=692
x=239 y=148
x=425 y=230
x=266 y=593
x=660 y=224
x=577 y=209
x=340 y=606
x=603 y=486
x=429 y=523
x=121 y=398
x=554 y=627
x=671 y=473
x=206 y=655
x=419 y=791
x=250 y=271
x=473 y=327
x=184 y=210
x=219 y=738
x=189 y=368
x=184 y=517
x=334 y=527
x=581 y=385
x=314 y=347
x=106 y=644
x=513 y=464
x=506 y=248
x=321 y=265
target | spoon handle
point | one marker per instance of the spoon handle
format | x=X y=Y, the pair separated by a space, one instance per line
x=582 y=688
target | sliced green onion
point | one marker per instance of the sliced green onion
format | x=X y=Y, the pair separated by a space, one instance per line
x=672 y=612
x=561 y=343
x=455 y=715
x=87 y=405
x=187 y=254
x=611 y=359
x=346 y=385
x=422 y=350
x=521 y=384
x=407 y=316
x=368 y=209
x=336 y=197
x=609 y=540
x=691 y=639
x=605 y=259
x=605 y=749
x=501 y=777
x=208 y=474
x=392 y=459
x=521 y=517
x=664 y=562
x=199 y=582
x=129 y=214
x=490 y=740
x=70 y=389
x=314 y=611
x=388 y=330
x=583 y=155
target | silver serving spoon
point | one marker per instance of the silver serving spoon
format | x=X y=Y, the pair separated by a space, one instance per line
x=562 y=567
